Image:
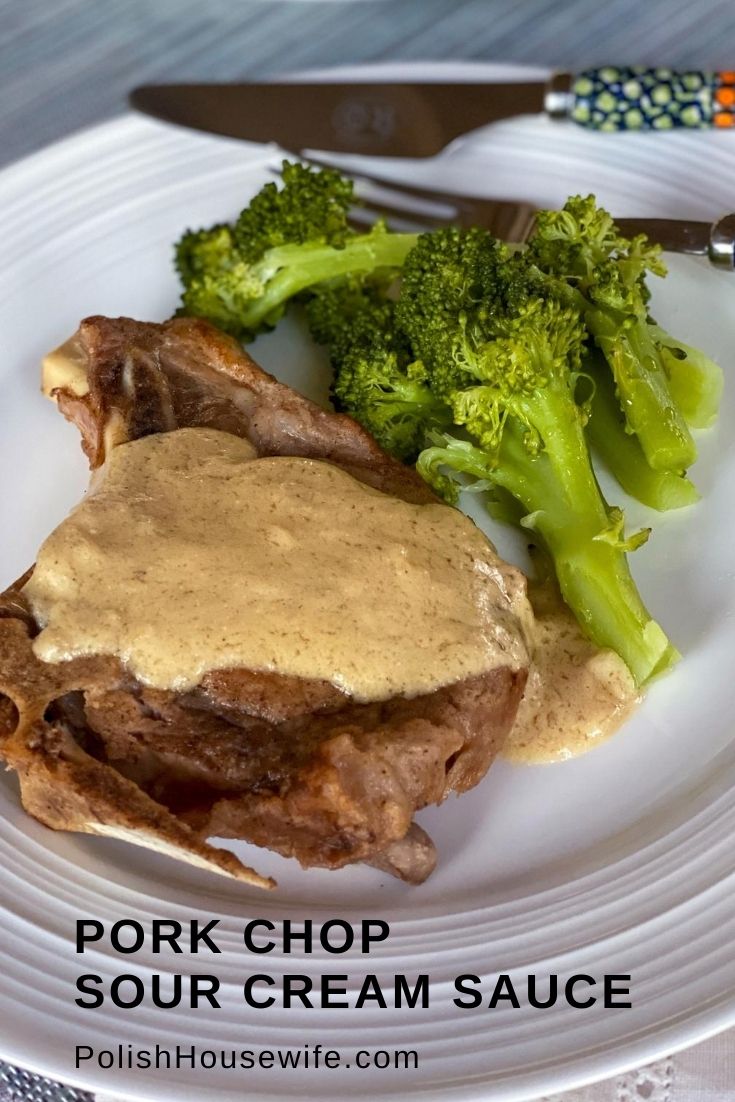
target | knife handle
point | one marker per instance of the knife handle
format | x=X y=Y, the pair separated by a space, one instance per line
x=637 y=98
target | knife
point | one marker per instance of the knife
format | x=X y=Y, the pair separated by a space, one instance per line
x=419 y=120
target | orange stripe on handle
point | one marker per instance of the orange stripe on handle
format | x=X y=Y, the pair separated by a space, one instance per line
x=638 y=98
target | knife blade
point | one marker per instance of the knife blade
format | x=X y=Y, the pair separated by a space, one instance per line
x=407 y=120
x=419 y=120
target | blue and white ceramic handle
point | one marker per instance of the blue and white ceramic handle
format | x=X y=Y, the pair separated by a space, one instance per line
x=636 y=98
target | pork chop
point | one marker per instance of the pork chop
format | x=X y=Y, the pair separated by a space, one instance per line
x=294 y=765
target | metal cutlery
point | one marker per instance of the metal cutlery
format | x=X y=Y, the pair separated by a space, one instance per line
x=419 y=120
x=511 y=220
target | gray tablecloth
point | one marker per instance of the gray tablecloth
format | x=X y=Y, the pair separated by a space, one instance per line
x=67 y=63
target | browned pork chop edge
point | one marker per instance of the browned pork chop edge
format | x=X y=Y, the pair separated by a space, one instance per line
x=290 y=764
x=144 y=378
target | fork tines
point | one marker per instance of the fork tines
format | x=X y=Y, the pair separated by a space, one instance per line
x=408 y=207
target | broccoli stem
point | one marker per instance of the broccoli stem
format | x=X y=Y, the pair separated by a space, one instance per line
x=695 y=381
x=559 y=492
x=596 y=583
x=642 y=389
x=287 y=270
x=572 y=517
x=621 y=452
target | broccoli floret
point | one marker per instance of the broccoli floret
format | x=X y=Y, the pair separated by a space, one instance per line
x=451 y=275
x=375 y=378
x=353 y=313
x=589 y=262
x=390 y=399
x=311 y=207
x=483 y=339
x=199 y=251
x=285 y=243
x=217 y=283
x=516 y=364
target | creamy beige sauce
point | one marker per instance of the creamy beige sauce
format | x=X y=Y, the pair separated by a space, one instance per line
x=192 y=555
x=576 y=695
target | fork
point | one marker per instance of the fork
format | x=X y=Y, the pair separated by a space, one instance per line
x=408 y=206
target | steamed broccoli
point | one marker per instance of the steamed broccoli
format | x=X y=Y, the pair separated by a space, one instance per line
x=495 y=370
x=218 y=283
x=310 y=208
x=390 y=398
x=350 y=313
x=621 y=451
x=589 y=262
x=452 y=274
x=695 y=381
x=286 y=242
x=509 y=366
x=375 y=376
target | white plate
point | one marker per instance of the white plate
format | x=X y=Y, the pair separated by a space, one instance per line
x=618 y=862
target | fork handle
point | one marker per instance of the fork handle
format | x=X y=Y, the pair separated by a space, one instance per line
x=636 y=98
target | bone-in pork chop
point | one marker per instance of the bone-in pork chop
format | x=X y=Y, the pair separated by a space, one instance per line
x=295 y=765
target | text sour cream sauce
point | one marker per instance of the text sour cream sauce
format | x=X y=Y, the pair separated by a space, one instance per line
x=192 y=555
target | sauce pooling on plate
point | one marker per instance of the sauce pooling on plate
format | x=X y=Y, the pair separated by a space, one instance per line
x=191 y=555
x=576 y=695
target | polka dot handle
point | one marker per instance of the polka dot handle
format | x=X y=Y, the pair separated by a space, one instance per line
x=635 y=98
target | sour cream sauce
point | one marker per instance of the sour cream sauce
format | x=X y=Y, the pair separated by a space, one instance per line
x=577 y=695
x=191 y=554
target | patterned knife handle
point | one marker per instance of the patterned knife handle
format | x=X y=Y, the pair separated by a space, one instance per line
x=636 y=98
